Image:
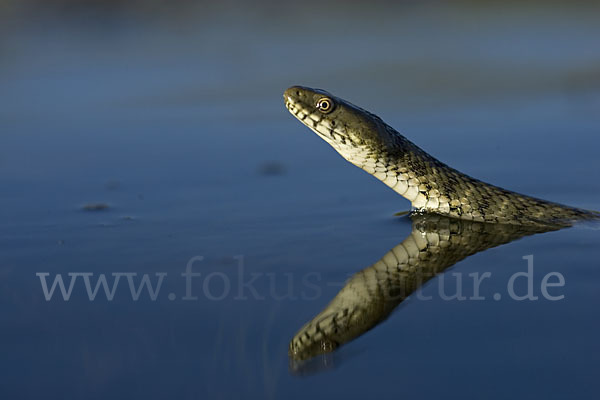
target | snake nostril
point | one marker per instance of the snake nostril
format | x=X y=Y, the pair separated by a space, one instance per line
x=298 y=93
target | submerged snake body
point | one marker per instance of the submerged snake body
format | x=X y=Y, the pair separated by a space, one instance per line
x=432 y=186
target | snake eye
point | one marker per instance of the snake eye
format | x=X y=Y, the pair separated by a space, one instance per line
x=325 y=105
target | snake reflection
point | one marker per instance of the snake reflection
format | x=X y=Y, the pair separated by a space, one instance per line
x=435 y=244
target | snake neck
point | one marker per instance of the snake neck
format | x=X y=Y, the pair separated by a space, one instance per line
x=432 y=186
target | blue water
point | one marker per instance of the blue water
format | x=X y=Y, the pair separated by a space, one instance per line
x=175 y=121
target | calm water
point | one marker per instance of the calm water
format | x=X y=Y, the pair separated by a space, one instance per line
x=176 y=122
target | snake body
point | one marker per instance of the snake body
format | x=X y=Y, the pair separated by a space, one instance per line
x=430 y=185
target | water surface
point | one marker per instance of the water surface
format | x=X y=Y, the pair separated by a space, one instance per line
x=176 y=123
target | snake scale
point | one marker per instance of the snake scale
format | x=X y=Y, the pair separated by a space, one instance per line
x=458 y=217
x=430 y=185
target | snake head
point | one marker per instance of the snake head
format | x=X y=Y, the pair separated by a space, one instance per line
x=319 y=336
x=356 y=134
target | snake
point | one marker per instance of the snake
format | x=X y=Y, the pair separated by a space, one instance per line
x=366 y=141
x=454 y=216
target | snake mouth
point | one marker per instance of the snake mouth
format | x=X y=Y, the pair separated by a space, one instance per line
x=306 y=117
x=301 y=104
x=321 y=125
x=289 y=104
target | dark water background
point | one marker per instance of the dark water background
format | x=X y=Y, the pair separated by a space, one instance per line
x=174 y=118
